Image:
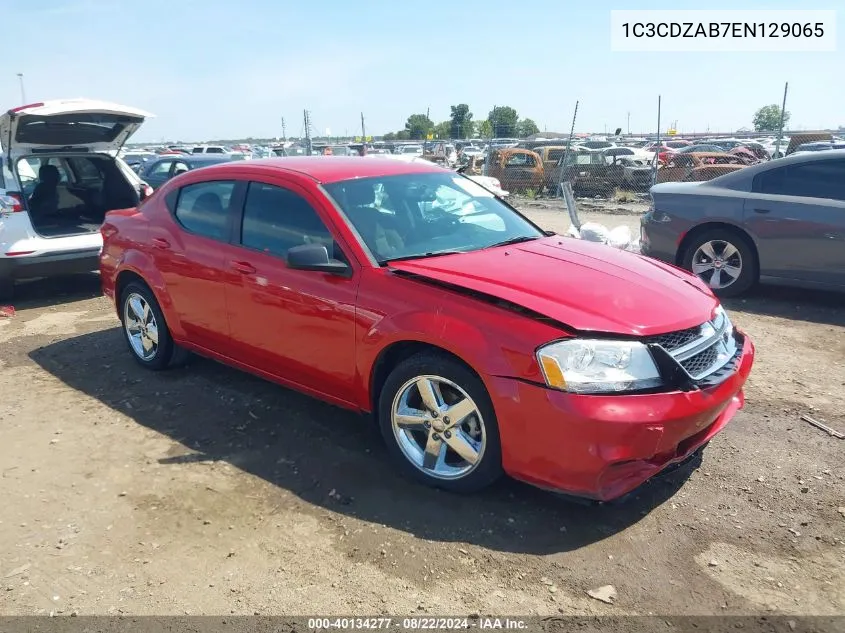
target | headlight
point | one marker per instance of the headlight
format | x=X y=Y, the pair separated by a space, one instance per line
x=598 y=366
x=721 y=320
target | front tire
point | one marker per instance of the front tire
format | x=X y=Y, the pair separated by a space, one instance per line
x=724 y=260
x=438 y=422
x=145 y=328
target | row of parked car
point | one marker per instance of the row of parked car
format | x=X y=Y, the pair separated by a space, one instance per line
x=781 y=220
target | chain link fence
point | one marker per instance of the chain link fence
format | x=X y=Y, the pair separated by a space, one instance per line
x=622 y=167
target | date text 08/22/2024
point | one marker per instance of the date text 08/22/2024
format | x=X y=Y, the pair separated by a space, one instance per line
x=416 y=623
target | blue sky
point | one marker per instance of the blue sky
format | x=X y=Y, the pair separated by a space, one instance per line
x=224 y=69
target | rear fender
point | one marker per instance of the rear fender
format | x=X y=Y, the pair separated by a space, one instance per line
x=141 y=264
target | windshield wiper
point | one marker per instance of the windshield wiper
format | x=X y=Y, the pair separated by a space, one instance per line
x=419 y=256
x=515 y=240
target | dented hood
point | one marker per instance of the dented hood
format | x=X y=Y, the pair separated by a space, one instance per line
x=585 y=285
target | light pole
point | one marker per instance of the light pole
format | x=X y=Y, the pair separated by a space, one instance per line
x=23 y=92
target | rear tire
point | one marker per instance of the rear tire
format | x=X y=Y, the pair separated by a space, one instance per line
x=145 y=328
x=433 y=445
x=723 y=252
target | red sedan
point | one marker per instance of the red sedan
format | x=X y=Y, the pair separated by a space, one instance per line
x=481 y=343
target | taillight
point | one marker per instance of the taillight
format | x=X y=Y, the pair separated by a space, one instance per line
x=11 y=202
x=107 y=230
x=24 y=107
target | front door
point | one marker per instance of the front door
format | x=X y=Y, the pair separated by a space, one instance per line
x=295 y=324
x=190 y=254
x=158 y=173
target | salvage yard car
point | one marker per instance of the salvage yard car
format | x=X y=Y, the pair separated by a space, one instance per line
x=481 y=343
x=780 y=222
x=72 y=146
x=698 y=167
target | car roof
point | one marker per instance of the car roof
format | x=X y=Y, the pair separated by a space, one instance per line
x=710 y=154
x=202 y=158
x=327 y=169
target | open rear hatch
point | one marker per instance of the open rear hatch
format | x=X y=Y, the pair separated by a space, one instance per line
x=68 y=125
x=60 y=133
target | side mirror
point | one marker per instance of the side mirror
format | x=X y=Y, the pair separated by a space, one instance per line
x=315 y=257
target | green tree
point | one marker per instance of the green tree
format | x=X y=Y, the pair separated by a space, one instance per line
x=504 y=120
x=461 y=120
x=526 y=127
x=443 y=129
x=390 y=136
x=485 y=129
x=418 y=126
x=767 y=118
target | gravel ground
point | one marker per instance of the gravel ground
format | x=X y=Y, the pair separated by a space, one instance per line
x=207 y=491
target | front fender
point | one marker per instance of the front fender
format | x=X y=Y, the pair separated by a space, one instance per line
x=491 y=341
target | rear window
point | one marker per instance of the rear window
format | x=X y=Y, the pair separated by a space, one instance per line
x=85 y=169
x=72 y=129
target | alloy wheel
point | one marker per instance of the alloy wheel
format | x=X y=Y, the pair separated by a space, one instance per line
x=141 y=327
x=438 y=427
x=718 y=263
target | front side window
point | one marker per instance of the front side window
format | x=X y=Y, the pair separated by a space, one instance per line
x=203 y=208
x=276 y=219
x=161 y=168
x=520 y=160
x=417 y=215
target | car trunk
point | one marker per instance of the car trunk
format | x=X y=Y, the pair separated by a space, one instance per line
x=73 y=192
x=63 y=153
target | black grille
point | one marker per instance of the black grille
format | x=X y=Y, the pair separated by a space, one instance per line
x=674 y=340
x=721 y=374
x=699 y=363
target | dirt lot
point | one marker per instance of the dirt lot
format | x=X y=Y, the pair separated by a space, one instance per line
x=204 y=490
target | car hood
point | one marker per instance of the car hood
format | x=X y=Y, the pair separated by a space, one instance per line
x=69 y=124
x=587 y=286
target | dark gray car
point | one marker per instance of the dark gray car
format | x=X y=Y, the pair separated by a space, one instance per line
x=778 y=222
x=158 y=172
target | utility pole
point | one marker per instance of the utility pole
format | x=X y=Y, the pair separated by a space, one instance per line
x=23 y=92
x=363 y=136
x=780 y=125
x=307 y=119
x=629 y=124
x=284 y=136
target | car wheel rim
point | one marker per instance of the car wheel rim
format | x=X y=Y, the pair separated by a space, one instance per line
x=717 y=263
x=438 y=427
x=141 y=326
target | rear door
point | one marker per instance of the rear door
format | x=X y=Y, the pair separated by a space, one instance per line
x=191 y=253
x=797 y=213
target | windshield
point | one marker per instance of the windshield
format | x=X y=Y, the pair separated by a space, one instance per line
x=419 y=215
x=412 y=149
